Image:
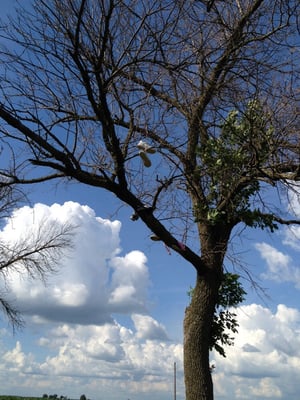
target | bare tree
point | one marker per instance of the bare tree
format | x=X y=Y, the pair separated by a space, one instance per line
x=36 y=254
x=187 y=111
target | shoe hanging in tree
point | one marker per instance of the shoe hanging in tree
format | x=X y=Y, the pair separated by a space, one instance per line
x=145 y=147
x=146 y=160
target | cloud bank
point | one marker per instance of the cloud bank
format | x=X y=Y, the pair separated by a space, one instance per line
x=76 y=314
x=112 y=361
x=91 y=330
x=93 y=281
x=265 y=361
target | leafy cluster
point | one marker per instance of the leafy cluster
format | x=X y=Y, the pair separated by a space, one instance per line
x=231 y=294
x=228 y=166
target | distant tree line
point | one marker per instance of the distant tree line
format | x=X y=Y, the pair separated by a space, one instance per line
x=44 y=396
x=55 y=396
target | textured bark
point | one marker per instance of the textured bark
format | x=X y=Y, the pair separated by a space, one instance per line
x=197 y=329
x=199 y=314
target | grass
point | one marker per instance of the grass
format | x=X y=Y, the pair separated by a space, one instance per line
x=19 y=398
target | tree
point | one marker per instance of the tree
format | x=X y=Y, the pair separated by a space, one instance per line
x=230 y=295
x=186 y=111
x=36 y=254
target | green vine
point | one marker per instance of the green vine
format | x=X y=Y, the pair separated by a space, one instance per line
x=225 y=324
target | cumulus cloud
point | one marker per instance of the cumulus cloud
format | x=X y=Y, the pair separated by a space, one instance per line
x=111 y=357
x=266 y=357
x=120 y=362
x=15 y=358
x=129 y=282
x=115 y=347
x=280 y=267
x=94 y=281
x=86 y=349
x=79 y=335
x=148 y=328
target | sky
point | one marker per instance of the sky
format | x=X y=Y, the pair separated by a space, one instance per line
x=108 y=323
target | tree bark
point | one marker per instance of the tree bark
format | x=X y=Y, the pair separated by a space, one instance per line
x=197 y=332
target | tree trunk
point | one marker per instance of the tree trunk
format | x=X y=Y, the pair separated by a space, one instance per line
x=197 y=334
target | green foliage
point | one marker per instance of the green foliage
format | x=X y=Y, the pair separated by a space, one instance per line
x=231 y=294
x=227 y=163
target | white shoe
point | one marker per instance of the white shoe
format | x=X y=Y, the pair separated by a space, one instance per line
x=145 y=147
x=144 y=157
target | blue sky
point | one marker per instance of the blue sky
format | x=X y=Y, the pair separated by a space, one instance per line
x=109 y=323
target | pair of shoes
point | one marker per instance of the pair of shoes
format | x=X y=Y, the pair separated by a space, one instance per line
x=145 y=147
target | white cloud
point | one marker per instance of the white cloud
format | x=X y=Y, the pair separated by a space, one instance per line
x=111 y=357
x=129 y=282
x=292 y=237
x=280 y=266
x=148 y=328
x=14 y=359
x=74 y=315
x=265 y=358
x=85 y=349
x=93 y=281
x=266 y=389
x=119 y=362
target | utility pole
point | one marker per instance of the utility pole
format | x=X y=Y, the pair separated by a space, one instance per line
x=174 y=380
